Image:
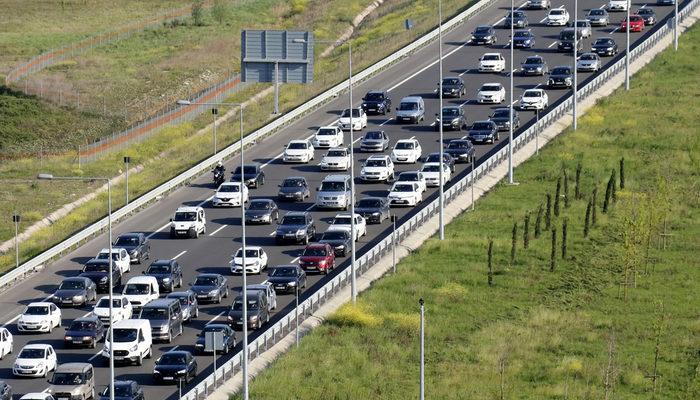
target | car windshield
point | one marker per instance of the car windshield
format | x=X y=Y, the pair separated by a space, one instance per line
x=248 y=170
x=158 y=269
x=491 y=57
x=229 y=188
x=636 y=18
x=342 y=221
x=374 y=96
x=213 y=328
x=369 y=203
x=332 y=186
x=127 y=241
x=450 y=112
x=336 y=153
x=408 y=106
x=337 y=235
x=431 y=168
x=72 y=285
x=597 y=11
x=501 y=114
x=238 y=305
x=517 y=14
x=490 y=88
x=293 y=220
x=205 y=281
x=154 y=313
x=409 y=177
x=83 y=326
x=172 y=359
x=297 y=146
x=566 y=35
x=534 y=60
x=581 y=24
x=482 y=29
x=588 y=57
x=522 y=34
x=355 y=113
x=67 y=378
x=459 y=144
x=31 y=353
x=105 y=255
x=375 y=163
x=314 y=252
x=604 y=42
x=96 y=268
x=450 y=81
x=481 y=126
x=248 y=253
x=404 y=146
x=293 y=183
x=403 y=188
x=561 y=71
x=326 y=132
x=645 y=11
x=532 y=93
x=36 y=310
x=104 y=303
x=259 y=205
x=137 y=288
x=435 y=157
x=374 y=135
x=284 y=271
x=185 y=216
x=124 y=335
x=119 y=391
x=557 y=11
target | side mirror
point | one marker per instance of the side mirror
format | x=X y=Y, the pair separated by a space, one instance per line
x=143 y=272
x=397 y=109
x=318 y=188
x=171 y=220
x=436 y=114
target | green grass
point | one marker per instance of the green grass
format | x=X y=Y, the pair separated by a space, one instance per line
x=544 y=334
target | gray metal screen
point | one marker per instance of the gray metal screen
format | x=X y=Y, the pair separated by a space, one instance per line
x=291 y=51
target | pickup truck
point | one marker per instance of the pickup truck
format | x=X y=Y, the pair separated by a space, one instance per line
x=136 y=244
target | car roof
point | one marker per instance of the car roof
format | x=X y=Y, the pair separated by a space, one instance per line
x=294 y=177
x=87 y=318
x=534 y=90
x=299 y=141
x=492 y=54
x=115 y=296
x=345 y=215
x=37 y=346
x=259 y=286
x=132 y=323
x=164 y=302
x=406 y=140
x=251 y=248
x=316 y=245
x=188 y=209
x=330 y=178
x=74 y=278
x=230 y=183
x=72 y=367
x=328 y=127
x=114 y=249
x=184 y=293
x=208 y=275
x=178 y=352
x=411 y=99
x=376 y=91
x=562 y=66
x=130 y=234
x=451 y=77
x=296 y=213
x=215 y=326
x=39 y=304
x=491 y=84
x=262 y=201
x=378 y=157
x=450 y=108
x=141 y=279
x=337 y=148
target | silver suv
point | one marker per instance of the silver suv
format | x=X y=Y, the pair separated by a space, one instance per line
x=73 y=381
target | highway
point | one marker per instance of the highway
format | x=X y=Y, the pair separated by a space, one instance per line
x=416 y=75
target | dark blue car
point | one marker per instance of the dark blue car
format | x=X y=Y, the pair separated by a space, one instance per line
x=229 y=338
x=124 y=390
x=523 y=38
x=85 y=331
x=175 y=366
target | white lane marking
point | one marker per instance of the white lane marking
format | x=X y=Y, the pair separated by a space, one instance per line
x=263 y=282
x=215 y=318
x=216 y=231
x=499 y=21
x=543 y=19
x=386 y=122
x=538 y=85
x=275 y=158
x=310 y=207
x=174 y=348
x=95 y=355
x=614 y=30
x=88 y=313
x=561 y=6
x=435 y=91
x=464 y=102
x=433 y=124
x=551 y=45
x=158 y=230
x=205 y=200
x=643 y=6
x=179 y=255
x=294 y=260
x=514 y=101
x=464 y=72
x=424 y=68
x=45 y=390
x=272 y=233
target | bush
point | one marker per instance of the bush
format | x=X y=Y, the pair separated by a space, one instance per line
x=357 y=315
x=198 y=12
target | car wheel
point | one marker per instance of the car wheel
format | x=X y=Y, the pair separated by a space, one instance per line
x=179 y=282
x=306 y=238
x=218 y=299
x=226 y=294
x=196 y=312
x=139 y=360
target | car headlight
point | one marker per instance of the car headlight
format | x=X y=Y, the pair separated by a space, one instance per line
x=133 y=348
x=301 y=232
x=182 y=372
x=68 y=338
x=155 y=371
x=364 y=104
x=362 y=171
x=104 y=279
x=163 y=328
x=212 y=292
x=292 y=283
x=375 y=214
x=78 y=297
x=166 y=279
x=87 y=337
x=253 y=318
x=134 y=253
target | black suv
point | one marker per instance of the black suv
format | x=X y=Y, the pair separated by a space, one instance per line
x=561 y=77
x=604 y=46
x=167 y=272
x=452 y=86
x=377 y=101
x=98 y=272
x=484 y=34
x=566 y=41
x=373 y=209
x=452 y=118
x=296 y=227
x=253 y=175
x=517 y=18
x=501 y=117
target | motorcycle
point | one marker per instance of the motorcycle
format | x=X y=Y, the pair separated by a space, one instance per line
x=218 y=177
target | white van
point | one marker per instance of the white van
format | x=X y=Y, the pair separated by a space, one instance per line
x=132 y=341
x=140 y=290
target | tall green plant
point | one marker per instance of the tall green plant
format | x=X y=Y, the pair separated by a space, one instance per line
x=557 y=195
x=514 y=243
x=538 y=221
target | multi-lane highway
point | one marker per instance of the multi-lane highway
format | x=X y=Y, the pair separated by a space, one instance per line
x=416 y=75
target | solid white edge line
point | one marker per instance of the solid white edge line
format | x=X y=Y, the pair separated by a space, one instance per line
x=179 y=255
x=217 y=230
x=294 y=260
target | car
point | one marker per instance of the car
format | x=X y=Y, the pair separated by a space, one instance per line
x=84 y=331
x=413 y=176
x=328 y=136
x=452 y=86
x=665 y=2
x=567 y=39
x=188 y=304
x=136 y=244
x=359 y=119
x=446 y=159
x=140 y=290
x=411 y=109
x=336 y=159
x=518 y=19
x=257 y=310
x=120 y=258
x=287 y=278
x=293 y=188
x=226 y=333
x=484 y=132
x=5 y=391
x=461 y=150
x=98 y=272
x=253 y=175
x=261 y=211
x=405 y=194
x=377 y=168
x=318 y=257
x=76 y=291
x=188 y=222
x=501 y=117
x=588 y=62
x=210 y=288
x=491 y=93
x=583 y=26
x=492 y=62
x=377 y=102
x=406 y=151
x=373 y=209
x=73 y=380
x=175 y=366
x=296 y=227
x=340 y=241
x=484 y=34
x=268 y=290
x=431 y=171
x=35 y=361
x=598 y=17
x=534 y=99
x=539 y=4
x=165 y=318
x=229 y=195
x=523 y=38
x=7 y=344
x=605 y=46
x=534 y=65
x=255 y=260
x=132 y=342
x=617 y=5
x=342 y=222
x=37 y=396
x=561 y=77
x=124 y=390
x=557 y=17
x=374 y=141
x=636 y=24
x=334 y=192
x=167 y=272
x=298 y=151
x=121 y=309
x=452 y=118
x=648 y=14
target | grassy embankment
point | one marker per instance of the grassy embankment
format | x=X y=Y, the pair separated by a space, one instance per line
x=537 y=333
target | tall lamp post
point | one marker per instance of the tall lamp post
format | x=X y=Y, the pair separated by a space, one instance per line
x=16 y=218
x=627 y=47
x=422 y=348
x=675 y=25
x=127 y=161
x=575 y=97
x=510 y=107
x=440 y=177
x=50 y=177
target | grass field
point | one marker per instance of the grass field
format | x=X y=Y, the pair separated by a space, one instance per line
x=574 y=332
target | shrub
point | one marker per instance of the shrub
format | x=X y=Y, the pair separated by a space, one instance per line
x=357 y=315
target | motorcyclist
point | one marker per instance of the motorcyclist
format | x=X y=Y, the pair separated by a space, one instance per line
x=219 y=172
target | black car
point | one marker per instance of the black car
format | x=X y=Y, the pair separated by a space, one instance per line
x=523 y=38
x=604 y=47
x=561 y=77
x=257 y=311
x=294 y=188
x=98 y=272
x=296 y=227
x=452 y=86
x=648 y=14
x=518 y=19
x=483 y=132
x=261 y=211
x=84 y=331
x=175 y=365
x=373 y=209
x=566 y=41
x=501 y=117
x=287 y=278
x=136 y=244
x=167 y=272
x=374 y=141
x=534 y=65
x=484 y=34
x=339 y=240
x=210 y=287
x=461 y=150
x=77 y=291
x=5 y=391
x=124 y=390
x=452 y=118
x=446 y=159
x=377 y=101
x=228 y=343
x=253 y=175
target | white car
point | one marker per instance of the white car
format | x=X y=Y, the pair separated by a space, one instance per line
x=121 y=309
x=534 y=99
x=327 y=137
x=492 y=62
x=35 y=360
x=37 y=396
x=411 y=177
x=359 y=119
x=491 y=93
x=120 y=258
x=405 y=194
x=336 y=159
x=617 y=5
x=7 y=343
x=229 y=194
x=377 y=168
x=406 y=151
x=298 y=151
x=557 y=17
x=255 y=260
x=431 y=171
x=342 y=222
x=39 y=317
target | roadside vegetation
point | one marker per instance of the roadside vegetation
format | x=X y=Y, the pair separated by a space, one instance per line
x=607 y=309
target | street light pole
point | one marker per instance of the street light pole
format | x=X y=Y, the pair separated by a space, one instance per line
x=393 y=244
x=352 y=184
x=127 y=161
x=296 y=313
x=16 y=218
x=575 y=125
x=440 y=177
x=675 y=25
x=627 y=51
x=422 y=349
x=510 y=107
x=215 y=112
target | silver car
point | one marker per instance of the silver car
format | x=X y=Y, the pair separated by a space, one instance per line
x=584 y=28
x=588 y=62
x=539 y=4
x=598 y=17
x=188 y=304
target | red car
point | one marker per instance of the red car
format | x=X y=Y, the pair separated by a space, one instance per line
x=636 y=24
x=318 y=257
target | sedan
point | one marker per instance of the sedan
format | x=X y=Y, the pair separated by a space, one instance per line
x=636 y=24
x=534 y=65
x=253 y=175
x=228 y=342
x=484 y=34
x=287 y=278
x=294 y=188
x=452 y=86
x=461 y=150
x=518 y=19
x=583 y=27
x=492 y=62
x=588 y=62
x=561 y=77
x=298 y=151
x=557 y=17
x=77 y=291
x=446 y=159
x=598 y=17
x=84 y=331
x=534 y=99
x=501 y=116
x=229 y=194
x=340 y=241
x=431 y=171
x=484 y=132
x=168 y=273
x=491 y=93
x=336 y=159
x=98 y=272
x=648 y=14
x=358 y=117
x=7 y=343
x=411 y=177
x=524 y=38
x=373 y=209
x=318 y=257
x=405 y=194
x=35 y=360
x=261 y=211
x=374 y=141
x=255 y=260
x=604 y=46
x=175 y=366
x=210 y=287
